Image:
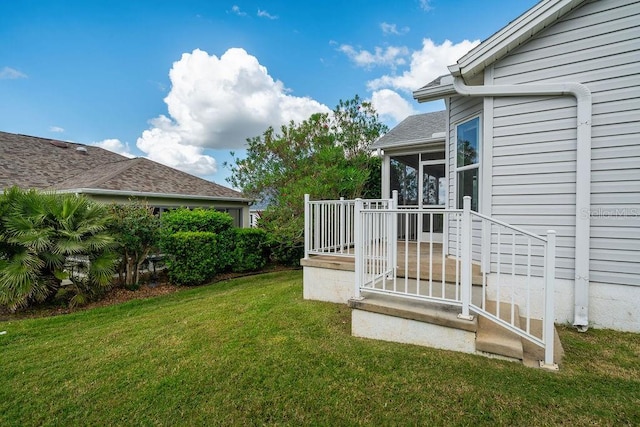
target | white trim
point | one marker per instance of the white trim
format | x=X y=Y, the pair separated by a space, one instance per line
x=408 y=143
x=477 y=165
x=433 y=93
x=104 y=192
x=437 y=236
x=385 y=176
x=521 y=29
x=486 y=205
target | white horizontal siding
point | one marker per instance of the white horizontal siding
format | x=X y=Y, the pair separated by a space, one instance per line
x=534 y=139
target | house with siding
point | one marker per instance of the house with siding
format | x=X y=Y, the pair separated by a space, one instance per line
x=542 y=136
x=65 y=167
x=554 y=103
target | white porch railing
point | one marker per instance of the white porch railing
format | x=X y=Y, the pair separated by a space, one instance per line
x=330 y=224
x=395 y=255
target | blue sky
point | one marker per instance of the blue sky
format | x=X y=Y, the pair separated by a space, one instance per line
x=186 y=82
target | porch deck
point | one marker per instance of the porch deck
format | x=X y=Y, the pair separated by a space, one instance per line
x=408 y=267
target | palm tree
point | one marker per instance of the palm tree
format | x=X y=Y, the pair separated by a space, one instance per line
x=40 y=234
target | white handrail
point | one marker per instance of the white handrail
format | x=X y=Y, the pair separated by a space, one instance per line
x=520 y=264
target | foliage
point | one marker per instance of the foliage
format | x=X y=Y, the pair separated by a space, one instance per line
x=40 y=233
x=252 y=352
x=198 y=219
x=136 y=230
x=250 y=252
x=194 y=257
x=326 y=156
x=184 y=220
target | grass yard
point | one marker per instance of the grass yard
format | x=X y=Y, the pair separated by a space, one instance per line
x=251 y=351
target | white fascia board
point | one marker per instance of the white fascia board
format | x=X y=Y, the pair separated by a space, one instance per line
x=513 y=35
x=410 y=143
x=434 y=93
x=104 y=192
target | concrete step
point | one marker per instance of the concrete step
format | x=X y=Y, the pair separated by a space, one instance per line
x=422 y=311
x=487 y=337
x=533 y=354
x=497 y=340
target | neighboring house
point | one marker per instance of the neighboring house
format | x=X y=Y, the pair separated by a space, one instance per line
x=46 y=164
x=542 y=131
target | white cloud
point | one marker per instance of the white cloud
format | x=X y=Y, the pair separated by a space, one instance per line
x=393 y=29
x=217 y=103
x=56 y=129
x=265 y=14
x=389 y=56
x=116 y=146
x=8 y=73
x=236 y=9
x=426 y=5
x=391 y=104
x=426 y=65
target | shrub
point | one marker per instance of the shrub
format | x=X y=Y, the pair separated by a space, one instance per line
x=285 y=252
x=39 y=233
x=135 y=229
x=250 y=252
x=184 y=219
x=201 y=220
x=193 y=257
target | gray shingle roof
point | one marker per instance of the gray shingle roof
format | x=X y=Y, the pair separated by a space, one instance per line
x=32 y=162
x=413 y=129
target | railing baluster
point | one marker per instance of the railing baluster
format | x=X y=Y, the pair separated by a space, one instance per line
x=444 y=257
x=431 y=254
x=499 y=263
x=549 y=315
x=529 y=285
x=458 y=234
x=406 y=253
x=513 y=277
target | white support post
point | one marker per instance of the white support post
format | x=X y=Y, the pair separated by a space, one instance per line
x=394 y=231
x=465 y=274
x=307 y=226
x=549 y=314
x=389 y=236
x=359 y=248
x=342 y=226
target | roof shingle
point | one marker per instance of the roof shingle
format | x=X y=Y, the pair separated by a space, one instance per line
x=414 y=129
x=32 y=162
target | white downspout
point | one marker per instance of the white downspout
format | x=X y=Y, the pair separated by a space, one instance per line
x=583 y=172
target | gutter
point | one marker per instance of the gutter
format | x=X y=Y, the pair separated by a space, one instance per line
x=583 y=170
x=100 y=191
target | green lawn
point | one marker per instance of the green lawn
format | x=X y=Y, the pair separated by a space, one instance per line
x=251 y=351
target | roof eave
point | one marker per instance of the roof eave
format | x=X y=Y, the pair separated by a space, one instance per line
x=434 y=93
x=513 y=35
x=143 y=194
x=411 y=142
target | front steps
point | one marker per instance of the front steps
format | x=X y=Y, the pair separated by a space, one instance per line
x=434 y=325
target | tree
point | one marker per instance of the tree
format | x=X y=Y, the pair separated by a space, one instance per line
x=136 y=230
x=39 y=234
x=326 y=156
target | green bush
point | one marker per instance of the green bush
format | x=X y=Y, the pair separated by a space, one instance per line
x=39 y=234
x=193 y=257
x=284 y=251
x=250 y=252
x=184 y=219
x=200 y=220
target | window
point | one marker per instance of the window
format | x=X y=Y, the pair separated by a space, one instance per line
x=404 y=178
x=468 y=161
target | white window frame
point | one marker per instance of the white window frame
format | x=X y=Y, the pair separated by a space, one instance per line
x=477 y=165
